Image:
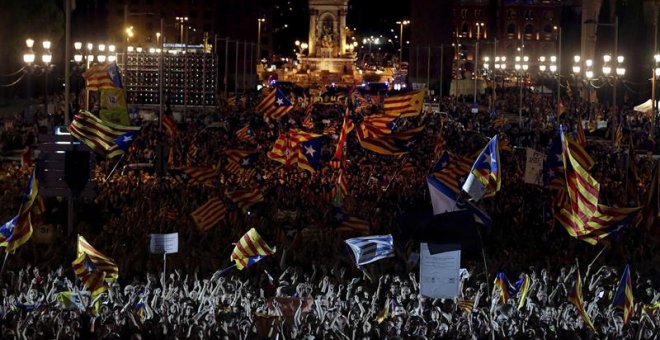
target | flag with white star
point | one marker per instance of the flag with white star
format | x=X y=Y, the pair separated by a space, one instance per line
x=311 y=150
x=99 y=135
x=124 y=141
x=275 y=105
x=484 y=179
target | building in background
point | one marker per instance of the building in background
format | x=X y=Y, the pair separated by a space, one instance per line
x=430 y=50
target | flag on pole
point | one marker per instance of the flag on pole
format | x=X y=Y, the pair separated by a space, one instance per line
x=93 y=268
x=370 y=249
x=484 y=178
x=406 y=105
x=503 y=286
x=623 y=298
x=113 y=106
x=523 y=286
x=18 y=230
x=99 y=135
x=209 y=214
x=275 y=105
x=98 y=76
x=575 y=297
x=250 y=245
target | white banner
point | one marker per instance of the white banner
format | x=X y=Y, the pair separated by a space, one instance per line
x=164 y=243
x=438 y=270
x=534 y=167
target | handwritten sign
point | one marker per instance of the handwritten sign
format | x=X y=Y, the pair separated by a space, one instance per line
x=534 y=167
x=164 y=243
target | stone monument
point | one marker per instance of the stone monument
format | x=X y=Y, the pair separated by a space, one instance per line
x=328 y=57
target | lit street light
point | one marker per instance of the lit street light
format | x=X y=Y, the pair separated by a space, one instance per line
x=30 y=60
x=401 y=24
x=259 y=22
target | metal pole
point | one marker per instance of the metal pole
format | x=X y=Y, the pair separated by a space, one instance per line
x=520 y=74
x=46 y=90
x=428 y=69
x=476 y=66
x=401 y=42
x=125 y=57
x=259 y=21
x=244 y=64
x=185 y=72
x=616 y=55
x=494 y=83
x=164 y=273
x=559 y=71
x=416 y=63
x=236 y=69
x=160 y=82
x=654 y=75
x=252 y=67
x=442 y=67
x=67 y=64
x=226 y=65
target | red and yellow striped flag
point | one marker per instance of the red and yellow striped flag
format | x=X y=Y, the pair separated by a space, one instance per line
x=575 y=297
x=406 y=105
x=94 y=268
x=581 y=137
x=251 y=244
x=209 y=214
x=275 y=105
x=618 y=137
x=245 y=198
x=97 y=77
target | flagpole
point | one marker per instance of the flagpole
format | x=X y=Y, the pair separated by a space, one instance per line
x=490 y=297
x=2 y=270
x=114 y=167
x=592 y=262
x=164 y=273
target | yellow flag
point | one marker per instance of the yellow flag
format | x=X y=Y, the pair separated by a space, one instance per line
x=113 y=106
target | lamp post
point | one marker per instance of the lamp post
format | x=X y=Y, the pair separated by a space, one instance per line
x=476 y=66
x=558 y=69
x=46 y=58
x=401 y=24
x=654 y=105
x=521 y=66
x=500 y=65
x=259 y=22
x=30 y=59
x=181 y=21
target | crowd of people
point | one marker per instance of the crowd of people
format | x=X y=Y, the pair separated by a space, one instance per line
x=311 y=286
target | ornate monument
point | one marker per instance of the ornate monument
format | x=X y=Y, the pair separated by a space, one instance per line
x=326 y=57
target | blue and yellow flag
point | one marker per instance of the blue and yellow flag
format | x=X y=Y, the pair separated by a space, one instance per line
x=623 y=298
x=484 y=179
x=18 y=230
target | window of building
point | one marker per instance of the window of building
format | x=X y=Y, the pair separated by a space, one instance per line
x=464 y=13
x=511 y=29
x=548 y=15
x=548 y=28
x=464 y=28
x=511 y=14
x=477 y=13
x=529 y=29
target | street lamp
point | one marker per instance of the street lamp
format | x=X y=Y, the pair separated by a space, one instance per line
x=30 y=60
x=654 y=105
x=181 y=21
x=476 y=67
x=259 y=22
x=401 y=24
x=521 y=66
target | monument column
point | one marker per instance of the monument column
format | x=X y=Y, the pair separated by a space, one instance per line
x=313 y=14
x=342 y=31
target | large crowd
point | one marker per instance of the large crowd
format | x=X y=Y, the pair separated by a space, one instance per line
x=311 y=286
